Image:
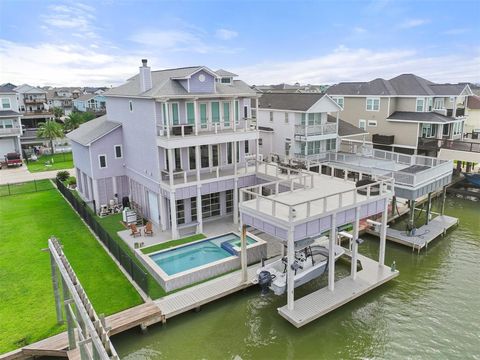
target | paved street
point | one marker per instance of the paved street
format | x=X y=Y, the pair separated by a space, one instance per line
x=21 y=174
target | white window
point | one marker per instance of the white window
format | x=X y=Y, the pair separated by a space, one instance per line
x=420 y=106
x=130 y=105
x=362 y=124
x=6 y=104
x=338 y=100
x=271 y=116
x=6 y=124
x=429 y=130
x=331 y=144
x=226 y=80
x=260 y=142
x=118 y=152
x=286 y=118
x=439 y=104
x=102 y=161
x=372 y=123
x=457 y=128
x=373 y=104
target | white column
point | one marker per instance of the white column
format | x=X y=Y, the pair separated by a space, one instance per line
x=163 y=212
x=167 y=118
x=197 y=118
x=235 y=201
x=356 y=226
x=199 y=209
x=171 y=165
x=173 y=215
x=234 y=117
x=290 y=271
x=234 y=157
x=331 y=254
x=232 y=114
x=243 y=254
x=198 y=162
x=383 y=235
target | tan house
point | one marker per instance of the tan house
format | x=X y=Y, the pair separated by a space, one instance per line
x=472 y=124
x=404 y=114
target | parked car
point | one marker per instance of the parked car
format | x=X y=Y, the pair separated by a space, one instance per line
x=13 y=159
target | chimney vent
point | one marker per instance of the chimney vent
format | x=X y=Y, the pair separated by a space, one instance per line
x=145 y=77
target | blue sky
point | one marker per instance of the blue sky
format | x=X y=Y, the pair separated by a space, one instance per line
x=101 y=42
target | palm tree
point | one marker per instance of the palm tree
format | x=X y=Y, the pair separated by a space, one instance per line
x=57 y=112
x=73 y=121
x=50 y=130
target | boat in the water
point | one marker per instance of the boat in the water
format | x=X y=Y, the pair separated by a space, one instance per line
x=473 y=179
x=311 y=261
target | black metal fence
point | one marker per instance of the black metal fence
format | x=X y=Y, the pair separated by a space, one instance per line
x=125 y=259
x=25 y=187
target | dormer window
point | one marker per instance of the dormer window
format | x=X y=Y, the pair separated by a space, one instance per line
x=226 y=80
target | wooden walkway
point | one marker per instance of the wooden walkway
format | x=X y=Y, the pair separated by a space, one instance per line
x=196 y=296
x=323 y=301
x=141 y=315
x=423 y=235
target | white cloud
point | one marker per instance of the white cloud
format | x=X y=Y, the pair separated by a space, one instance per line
x=359 y=30
x=226 y=34
x=344 y=64
x=413 y=23
x=455 y=31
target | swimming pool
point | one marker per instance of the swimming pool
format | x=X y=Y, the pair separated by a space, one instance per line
x=200 y=260
x=193 y=255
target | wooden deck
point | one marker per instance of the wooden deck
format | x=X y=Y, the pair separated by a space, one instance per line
x=323 y=301
x=196 y=296
x=423 y=235
x=141 y=315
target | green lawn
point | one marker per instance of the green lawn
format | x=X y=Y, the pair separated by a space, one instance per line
x=60 y=161
x=27 y=310
x=26 y=187
x=112 y=224
x=169 y=244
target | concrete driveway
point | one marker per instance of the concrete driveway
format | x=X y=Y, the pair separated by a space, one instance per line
x=21 y=174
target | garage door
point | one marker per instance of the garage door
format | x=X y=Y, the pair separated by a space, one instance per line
x=6 y=145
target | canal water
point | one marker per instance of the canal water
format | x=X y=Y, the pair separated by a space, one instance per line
x=431 y=311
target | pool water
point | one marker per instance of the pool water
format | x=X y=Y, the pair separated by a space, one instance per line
x=197 y=254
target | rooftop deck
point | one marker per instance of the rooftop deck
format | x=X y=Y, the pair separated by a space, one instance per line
x=323 y=301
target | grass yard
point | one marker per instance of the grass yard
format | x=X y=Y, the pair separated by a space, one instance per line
x=169 y=244
x=60 y=161
x=27 y=310
x=26 y=187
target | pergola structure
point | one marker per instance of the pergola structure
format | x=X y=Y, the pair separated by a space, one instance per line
x=295 y=209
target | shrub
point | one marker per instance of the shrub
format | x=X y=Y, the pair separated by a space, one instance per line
x=72 y=181
x=63 y=175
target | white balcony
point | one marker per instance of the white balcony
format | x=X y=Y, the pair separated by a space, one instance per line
x=183 y=130
x=15 y=131
x=304 y=130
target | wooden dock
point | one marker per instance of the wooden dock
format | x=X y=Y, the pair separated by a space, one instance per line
x=323 y=301
x=141 y=315
x=423 y=235
x=196 y=296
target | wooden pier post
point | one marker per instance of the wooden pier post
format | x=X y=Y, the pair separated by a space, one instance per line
x=429 y=208
x=290 y=272
x=383 y=235
x=243 y=254
x=331 y=253
x=444 y=195
x=356 y=227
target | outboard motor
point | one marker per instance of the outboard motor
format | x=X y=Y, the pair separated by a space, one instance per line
x=265 y=280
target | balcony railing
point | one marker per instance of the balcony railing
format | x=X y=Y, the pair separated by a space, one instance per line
x=311 y=130
x=461 y=145
x=205 y=128
x=313 y=157
x=35 y=101
x=10 y=131
x=428 y=143
x=383 y=139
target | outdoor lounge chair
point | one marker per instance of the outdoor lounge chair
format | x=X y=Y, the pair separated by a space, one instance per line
x=135 y=232
x=148 y=231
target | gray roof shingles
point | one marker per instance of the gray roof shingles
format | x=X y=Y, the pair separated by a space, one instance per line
x=92 y=130
x=420 y=117
x=405 y=84
x=289 y=101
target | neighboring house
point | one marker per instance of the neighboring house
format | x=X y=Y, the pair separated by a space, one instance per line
x=32 y=104
x=10 y=125
x=473 y=114
x=404 y=114
x=94 y=90
x=178 y=142
x=297 y=127
x=60 y=98
x=286 y=88
x=90 y=102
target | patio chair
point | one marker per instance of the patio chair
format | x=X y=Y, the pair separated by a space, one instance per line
x=148 y=231
x=135 y=231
